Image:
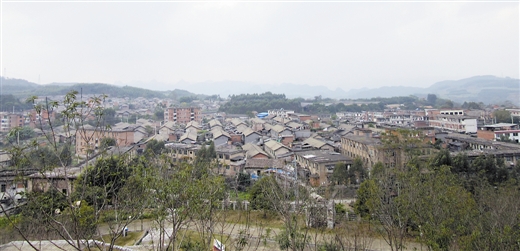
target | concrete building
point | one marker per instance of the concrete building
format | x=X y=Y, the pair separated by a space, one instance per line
x=474 y=147
x=278 y=131
x=214 y=123
x=454 y=123
x=10 y=121
x=220 y=137
x=320 y=164
x=367 y=148
x=189 y=137
x=254 y=152
x=230 y=159
x=249 y=136
x=192 y=126
x=316 y=144
x=89 y=138
x=258 y=166
x=500 y=131
x=275 y=149
x=183 y=114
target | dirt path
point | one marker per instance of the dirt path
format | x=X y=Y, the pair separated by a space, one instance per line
x=256 y=236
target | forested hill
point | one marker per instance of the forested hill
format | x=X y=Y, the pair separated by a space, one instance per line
x=23 y=88
x=244 y=103
x=110 y=90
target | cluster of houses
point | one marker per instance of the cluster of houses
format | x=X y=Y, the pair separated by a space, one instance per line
x=296 y=145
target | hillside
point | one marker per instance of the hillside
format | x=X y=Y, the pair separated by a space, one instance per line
x=13 y=85
x=23 y=88
x=486 y=89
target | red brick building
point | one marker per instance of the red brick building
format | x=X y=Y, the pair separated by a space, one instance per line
x=183 y=115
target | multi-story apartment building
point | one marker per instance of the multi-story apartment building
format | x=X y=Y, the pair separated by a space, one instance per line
x=183 y=114
x=365 y=147
x=10 y=120
x=454 y=123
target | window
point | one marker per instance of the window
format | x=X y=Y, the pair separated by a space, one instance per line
x=515 y=134
x=2 y=188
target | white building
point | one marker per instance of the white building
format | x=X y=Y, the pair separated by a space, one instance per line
x=454 y=123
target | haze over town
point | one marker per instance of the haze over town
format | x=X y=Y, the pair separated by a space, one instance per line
x=344 y=45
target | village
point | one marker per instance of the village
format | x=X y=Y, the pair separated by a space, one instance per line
x=326 y=157
x=277 y=139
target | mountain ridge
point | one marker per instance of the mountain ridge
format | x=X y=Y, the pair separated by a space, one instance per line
x=485 y=88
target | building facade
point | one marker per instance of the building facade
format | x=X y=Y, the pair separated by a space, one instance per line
x=183 y=115
x=10 y=121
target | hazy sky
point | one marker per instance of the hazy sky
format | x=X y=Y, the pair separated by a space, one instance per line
x=347 y=45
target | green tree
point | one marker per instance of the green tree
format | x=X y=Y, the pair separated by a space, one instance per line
x=502 y=116
x=442 y=208
x=159 y=113
x=109 y=116
x=357 y=172
x=441 y=158
x=20 y=133
x=66 y=155
x=340 y=174
x=497 y=224
x=65 y=218
x=258 y=194
x=365 y=195
x=107 y=142
x=432 y=99
x=448 y=104
x=155 y=147
x=100 y=183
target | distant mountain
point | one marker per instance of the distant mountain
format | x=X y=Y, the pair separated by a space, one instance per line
x=10 y=85
x=486 y=89
x=23 y=88
x=226 y=88
x=383 y=92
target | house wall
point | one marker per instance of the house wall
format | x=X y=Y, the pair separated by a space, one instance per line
x=221 y=140
x=327 y=147
x=236 y=138
x=470 y=125
x=90 y=139
x=489 y=135
x=45 y=184
x=302 y=134
x=286 y=141
x=369 y=154
x=10 y=121
x=251 y=138
x=304 y=117
x=259 y=156
x=281 y=151
x=513 y=135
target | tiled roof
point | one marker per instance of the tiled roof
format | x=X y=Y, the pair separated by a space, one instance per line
x=264 y=163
